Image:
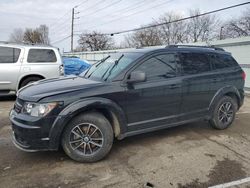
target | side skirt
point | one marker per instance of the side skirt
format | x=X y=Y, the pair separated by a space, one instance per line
x=151 y=129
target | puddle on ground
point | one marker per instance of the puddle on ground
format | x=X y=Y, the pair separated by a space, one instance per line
x=224 y=171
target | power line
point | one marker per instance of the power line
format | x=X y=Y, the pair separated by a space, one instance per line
x=182 y=19
x=80 y=4
x=60 y=40
x=56 y=22
x=123 y=10
x=122 y=17
x=165 y=23
x=94 y=5
x=100 y=9
x=66 y=23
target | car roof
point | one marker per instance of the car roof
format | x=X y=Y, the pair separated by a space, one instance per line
x=24 y=45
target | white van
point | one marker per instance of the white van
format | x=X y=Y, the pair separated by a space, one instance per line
x=21 y=64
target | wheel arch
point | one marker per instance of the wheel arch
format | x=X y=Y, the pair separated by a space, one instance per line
x=106 y=107
x=28 y=76
x=225 y=91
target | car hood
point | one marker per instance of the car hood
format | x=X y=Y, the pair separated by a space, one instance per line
x=48 y=87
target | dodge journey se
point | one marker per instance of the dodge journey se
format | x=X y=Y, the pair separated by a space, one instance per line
x=126 y=94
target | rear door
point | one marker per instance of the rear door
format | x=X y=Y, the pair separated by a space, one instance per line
x=42 y=61
x=10 y=64
x=156 y=101
x=197 y=78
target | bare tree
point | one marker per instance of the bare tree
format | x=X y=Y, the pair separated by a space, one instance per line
x=16 y=36
x=145 y=37
x=44 y=30
x=95 y=41
x=38 y=35
x=173 y=33
x=202 y=28
x=32 y=36
x=237 y=27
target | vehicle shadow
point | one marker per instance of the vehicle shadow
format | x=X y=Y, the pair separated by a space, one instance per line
x=7 y=97
x=186 y=131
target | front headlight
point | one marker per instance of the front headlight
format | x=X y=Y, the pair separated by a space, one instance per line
x=38 y=109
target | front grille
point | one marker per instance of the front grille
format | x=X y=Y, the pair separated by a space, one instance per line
x=18 y=106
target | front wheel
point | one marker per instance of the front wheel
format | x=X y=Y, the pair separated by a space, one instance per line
x=88 y=137
x=224 y=113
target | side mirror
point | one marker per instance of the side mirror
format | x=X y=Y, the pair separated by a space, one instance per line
x=136 y=76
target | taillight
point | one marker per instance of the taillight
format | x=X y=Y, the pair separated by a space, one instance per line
x=243 y=75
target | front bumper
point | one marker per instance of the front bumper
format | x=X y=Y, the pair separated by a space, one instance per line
x=30 y=134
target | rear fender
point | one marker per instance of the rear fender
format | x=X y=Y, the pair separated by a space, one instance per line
x=222 y=92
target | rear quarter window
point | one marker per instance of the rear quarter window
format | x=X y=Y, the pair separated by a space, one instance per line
x=221 y=61
x=41 y=56
x=9 y=55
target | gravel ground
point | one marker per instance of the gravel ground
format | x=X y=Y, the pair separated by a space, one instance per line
x=192 y=155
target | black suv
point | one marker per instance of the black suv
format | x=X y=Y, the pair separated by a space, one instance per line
x=127 y=94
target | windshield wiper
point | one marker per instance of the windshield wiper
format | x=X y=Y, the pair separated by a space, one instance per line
x=102 y=60
x=115 y=64
x=96 y=65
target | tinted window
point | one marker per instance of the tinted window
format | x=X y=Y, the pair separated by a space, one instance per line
x=159 y=66
x=9 y=55
x=194 y=63
x=41 y=55
x=221 y=61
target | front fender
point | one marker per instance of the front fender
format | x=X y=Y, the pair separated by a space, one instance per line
x=80 y=106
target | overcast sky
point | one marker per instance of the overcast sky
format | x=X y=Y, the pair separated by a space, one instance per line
x=101 y=15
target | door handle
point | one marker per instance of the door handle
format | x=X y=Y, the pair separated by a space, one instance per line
x=174 y=86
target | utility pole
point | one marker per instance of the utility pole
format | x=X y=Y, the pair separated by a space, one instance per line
x=72 y=26
x=221 y=33
x=72 y=29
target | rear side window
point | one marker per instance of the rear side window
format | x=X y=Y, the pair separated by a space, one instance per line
x=194 y=63
x=159 y=66
x=221 y=61
x=9 y=55
x=41 y=56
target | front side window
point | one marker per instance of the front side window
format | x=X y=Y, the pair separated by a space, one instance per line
x=9 y=55
x=41 y=56
x=194 y=63
x=159 y=66
x=221 y=61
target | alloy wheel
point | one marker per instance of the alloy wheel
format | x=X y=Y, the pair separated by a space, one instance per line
x=226 y=113
x=86 y=138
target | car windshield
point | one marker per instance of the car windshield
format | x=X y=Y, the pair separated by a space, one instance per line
x=110 y=66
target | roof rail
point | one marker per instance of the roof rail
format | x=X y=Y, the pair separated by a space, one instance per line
x=195 y=46
x=23 y=43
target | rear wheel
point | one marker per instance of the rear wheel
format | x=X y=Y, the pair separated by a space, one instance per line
x=29 y=80
x=224 y=113
x=88 y=137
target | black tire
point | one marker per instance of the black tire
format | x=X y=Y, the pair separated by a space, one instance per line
x=71 y=137
x=29 y=80
x=222 y=120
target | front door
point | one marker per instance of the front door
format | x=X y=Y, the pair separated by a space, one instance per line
x=9 y=68
x=156 y=101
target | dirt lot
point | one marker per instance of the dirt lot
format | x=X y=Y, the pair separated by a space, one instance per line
x=193 y=155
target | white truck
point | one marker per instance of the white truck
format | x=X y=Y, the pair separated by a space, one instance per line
x=21 y=64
